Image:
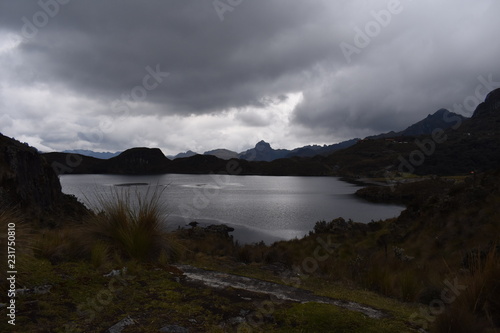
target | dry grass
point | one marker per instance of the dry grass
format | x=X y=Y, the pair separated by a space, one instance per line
x=129 y=225
x=126 y=225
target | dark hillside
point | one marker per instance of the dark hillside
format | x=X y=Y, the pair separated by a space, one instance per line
x=138 y=161
x=69 y=163
x=131 y=162
x=473 y=146
x=468 y=145
x=198 y=164
x=369 y=158
x=424 y=127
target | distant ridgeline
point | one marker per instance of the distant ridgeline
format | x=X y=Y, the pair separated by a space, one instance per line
x=29 y=184
x=443 y=143
x=264 y=152
x=91 y=153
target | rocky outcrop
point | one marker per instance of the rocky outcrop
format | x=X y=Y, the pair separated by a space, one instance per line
x=26 y=178
x=28 y=183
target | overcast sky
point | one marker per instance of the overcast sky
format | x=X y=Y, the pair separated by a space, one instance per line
x=108 y=75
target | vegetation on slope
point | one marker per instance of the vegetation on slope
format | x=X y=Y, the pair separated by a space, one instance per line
x=435 y=267
x=72 y=263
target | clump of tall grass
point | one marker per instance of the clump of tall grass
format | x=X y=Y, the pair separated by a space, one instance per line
x=129 y=225
x=99 y=254
x=410 y=285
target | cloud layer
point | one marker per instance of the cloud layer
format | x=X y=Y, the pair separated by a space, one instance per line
x=93 y=74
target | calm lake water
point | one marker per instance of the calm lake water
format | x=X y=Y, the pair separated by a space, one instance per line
x=258 y=207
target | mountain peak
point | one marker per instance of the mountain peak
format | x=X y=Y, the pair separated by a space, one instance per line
x=440 y=113
x=189 y=153
x=263 y=152
x=263 y=145
x=493 y=95
x=222 y=153
x=425 y=126
x=490 y=106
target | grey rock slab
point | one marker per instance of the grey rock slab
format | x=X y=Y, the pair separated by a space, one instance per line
x=119 y=326
x=221 y=280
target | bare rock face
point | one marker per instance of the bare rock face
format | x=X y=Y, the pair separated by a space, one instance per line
x=25 y=178
x=28 y=183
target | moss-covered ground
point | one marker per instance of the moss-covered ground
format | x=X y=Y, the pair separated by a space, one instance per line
x=82 y=299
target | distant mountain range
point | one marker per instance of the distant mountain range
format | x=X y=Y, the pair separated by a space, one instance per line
x=444 y=143
x=264 y=152
x=224 y=154
x=189 y=153
x=91 y=153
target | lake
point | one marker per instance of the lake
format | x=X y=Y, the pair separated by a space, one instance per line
x=258 y=207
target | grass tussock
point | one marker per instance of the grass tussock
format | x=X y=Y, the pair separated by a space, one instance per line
x=99 y=254
x=129 y=225
x=125 y=226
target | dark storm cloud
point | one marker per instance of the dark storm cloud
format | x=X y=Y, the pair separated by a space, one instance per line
x=430 y=56
x=424 y=56
x=101 y=48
